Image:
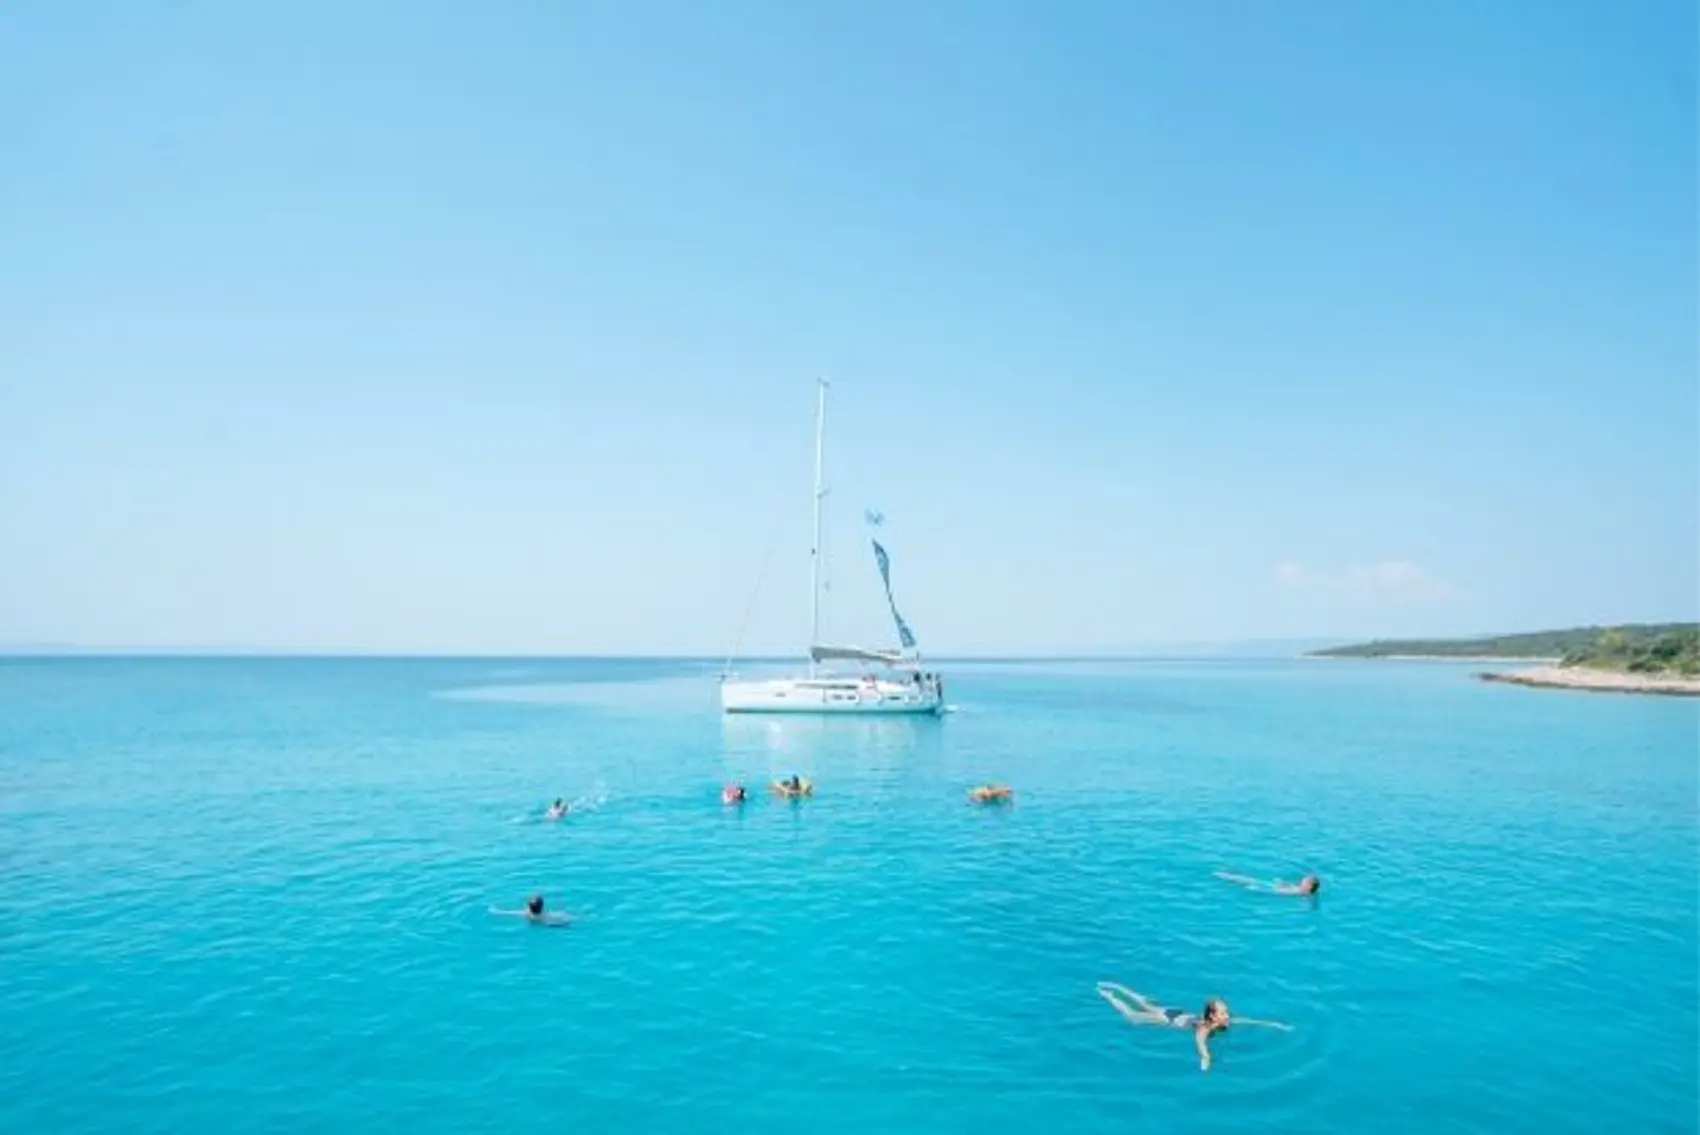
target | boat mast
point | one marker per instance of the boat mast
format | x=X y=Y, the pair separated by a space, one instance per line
x=814 y=554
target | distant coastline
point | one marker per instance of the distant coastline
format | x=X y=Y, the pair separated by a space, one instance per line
x=1327 y=656
x=1659 y=658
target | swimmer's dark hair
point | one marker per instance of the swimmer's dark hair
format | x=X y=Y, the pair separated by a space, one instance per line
x=1316 y=884
x=534 y=904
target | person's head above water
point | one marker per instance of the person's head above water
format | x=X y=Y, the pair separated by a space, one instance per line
x=534 y=904
x=1215 y=1012
x=1309 y=885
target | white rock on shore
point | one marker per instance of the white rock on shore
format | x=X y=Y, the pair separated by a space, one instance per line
x=1600 y=681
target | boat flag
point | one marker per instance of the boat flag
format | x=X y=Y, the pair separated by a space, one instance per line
x=904 y=634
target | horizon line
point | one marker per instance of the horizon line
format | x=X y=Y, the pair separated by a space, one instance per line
x=1128 y=650
x=51 y=650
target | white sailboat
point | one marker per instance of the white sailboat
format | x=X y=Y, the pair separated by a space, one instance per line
x=881 y=682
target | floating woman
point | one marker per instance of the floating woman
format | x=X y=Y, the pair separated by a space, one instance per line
x=1139 y=1009
x=1309 y=885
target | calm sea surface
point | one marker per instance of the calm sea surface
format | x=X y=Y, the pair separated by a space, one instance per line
x=252 y=895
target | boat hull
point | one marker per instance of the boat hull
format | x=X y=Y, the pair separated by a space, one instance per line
x=827 y=697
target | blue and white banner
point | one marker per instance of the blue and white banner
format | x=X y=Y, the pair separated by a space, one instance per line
x=904 y=634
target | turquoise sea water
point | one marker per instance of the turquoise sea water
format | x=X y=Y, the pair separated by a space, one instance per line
x=251 y=895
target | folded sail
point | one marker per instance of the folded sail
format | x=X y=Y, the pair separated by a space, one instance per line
x=853 y=654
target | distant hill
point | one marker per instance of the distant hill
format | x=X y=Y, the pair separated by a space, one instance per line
x=1649 y=648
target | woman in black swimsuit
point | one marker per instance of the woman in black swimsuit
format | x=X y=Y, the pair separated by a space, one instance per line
x=1141 y=1010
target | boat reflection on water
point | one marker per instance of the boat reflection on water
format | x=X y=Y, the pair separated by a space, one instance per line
x=778 y=746
x=808 y=732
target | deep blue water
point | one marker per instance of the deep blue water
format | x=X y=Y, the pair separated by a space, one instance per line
x=251 y=895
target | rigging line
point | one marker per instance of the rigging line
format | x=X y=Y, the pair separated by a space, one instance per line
x=761 y=574
x=869 y=533
x=869 y=494
x=853 y=466
x=825 y=565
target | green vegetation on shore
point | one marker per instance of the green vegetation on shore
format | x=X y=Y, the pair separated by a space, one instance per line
x=1658 y=648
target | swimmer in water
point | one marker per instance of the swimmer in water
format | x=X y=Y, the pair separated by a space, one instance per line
x=556 y=810
x=534 y=913
x=991 y=794
x=794 y=787
x=733 y=794
x=1308 y=886
x=1141 y=1010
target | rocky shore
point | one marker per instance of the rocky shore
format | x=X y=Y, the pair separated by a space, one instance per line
x=1597 y=680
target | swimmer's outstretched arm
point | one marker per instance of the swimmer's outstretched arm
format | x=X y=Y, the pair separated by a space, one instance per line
x=1248 y=882
x=548 y=918
x=1201 y=1040
x=1263 y=1024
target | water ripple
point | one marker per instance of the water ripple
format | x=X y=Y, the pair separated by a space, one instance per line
x=253 y=896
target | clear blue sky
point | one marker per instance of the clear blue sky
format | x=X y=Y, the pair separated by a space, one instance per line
x=416 y=326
